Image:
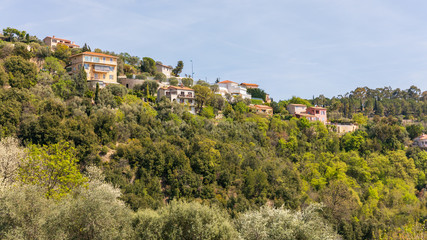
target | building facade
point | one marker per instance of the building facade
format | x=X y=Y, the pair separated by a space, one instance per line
x=166 y=70
x=53 y=41
x=296 y=108
x=421 y=141
x=183 y=95
x=262 y=109
x=319 y=113
x=232 y=88
x=100 y=68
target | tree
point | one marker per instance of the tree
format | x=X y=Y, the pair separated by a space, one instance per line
x=149 y=87
x=97 y=93
x=203 y=94
x=80 y=81
x=54 y=66
x=187 y=82
x=257 y=93
x=279 y=223
x=161 y=77
x=178 y=69
x=86 y=48
x=148 y=65
x=173 y=81
x=53 y=167
x=62 y=52
x=414 y=130
x=11 y=155
x=181 y=220
x=22 y=73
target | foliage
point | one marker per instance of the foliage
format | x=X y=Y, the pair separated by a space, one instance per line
x=22 y=73
x=181 y=220
x=11 y=156
x=161 y=77
x=257 y=93
x=173 y=81
x=54 y=168
x=280 y=223
x=148 y=65
x=178 y=69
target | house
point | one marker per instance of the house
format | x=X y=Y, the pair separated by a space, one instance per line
x=53 y=41
x=421 y=141
x=183 y=95
x=310 y=113
x=249 y=85
x=262 y=109
x=100 y=68
x=166 y=70
x=232 y=88
x=319 y=113
x=296 y=108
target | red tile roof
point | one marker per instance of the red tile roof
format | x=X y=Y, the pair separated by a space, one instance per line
x=164 y=66
x=250 y=84
x=227 y=81
x=95 y=54
x=179 y=88
x=263 y=107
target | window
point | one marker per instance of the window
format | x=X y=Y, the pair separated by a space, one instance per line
x=80 y=66
x=103 y=59
x=54 y=40
x=111 y=77
x=88 y=59
x=86 y=66
x=96 y=59
x=103 y=76
x=96 y=75
x=111 y=60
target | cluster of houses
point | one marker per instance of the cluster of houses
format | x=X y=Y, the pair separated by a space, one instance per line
x=102 y=69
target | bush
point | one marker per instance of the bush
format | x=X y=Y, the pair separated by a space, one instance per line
x=208 y=112
x=182 y=220
x=280 y=223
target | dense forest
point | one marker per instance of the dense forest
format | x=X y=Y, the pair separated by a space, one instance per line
x=114 y=163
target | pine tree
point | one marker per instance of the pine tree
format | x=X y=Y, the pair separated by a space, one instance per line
x=97 y=93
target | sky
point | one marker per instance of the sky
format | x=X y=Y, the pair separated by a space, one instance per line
x=289 y=47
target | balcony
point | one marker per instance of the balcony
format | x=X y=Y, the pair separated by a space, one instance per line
x=104 y=69
x=190 y=96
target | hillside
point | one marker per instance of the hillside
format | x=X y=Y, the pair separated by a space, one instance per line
x=371 y=182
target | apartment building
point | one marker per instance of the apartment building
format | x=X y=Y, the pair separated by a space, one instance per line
x=183 y=95
x=233 y=88
x=53 y=41
x=100 y=68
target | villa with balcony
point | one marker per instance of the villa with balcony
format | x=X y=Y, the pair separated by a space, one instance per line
x=310 y=113
x=53 y=41
x=100 y=68
x=183 y=95
x=232 y=88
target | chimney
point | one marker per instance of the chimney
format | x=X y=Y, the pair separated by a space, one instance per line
x=53 y=36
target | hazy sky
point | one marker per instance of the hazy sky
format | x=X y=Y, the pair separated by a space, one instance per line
x=288 y=47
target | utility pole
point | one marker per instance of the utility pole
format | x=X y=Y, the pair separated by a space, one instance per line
x=192 y=72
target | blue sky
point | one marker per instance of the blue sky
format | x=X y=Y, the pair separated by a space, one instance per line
x=288 y=47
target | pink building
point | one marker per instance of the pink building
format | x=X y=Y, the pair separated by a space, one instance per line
x=311 y=113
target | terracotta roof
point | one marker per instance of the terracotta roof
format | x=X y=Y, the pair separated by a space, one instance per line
x=249 y=84
x=95 y=54
x=181 y=88
x=422 y=137
x=227 y=81
x=164 y=65
x=297 y=104
x=59 y=38
x=263 y=106
x=319 y=108
x=305 y=115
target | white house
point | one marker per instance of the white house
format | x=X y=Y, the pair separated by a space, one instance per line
x=421 y=141
x=183 y=95
x=233 y=88
x=166 y=70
